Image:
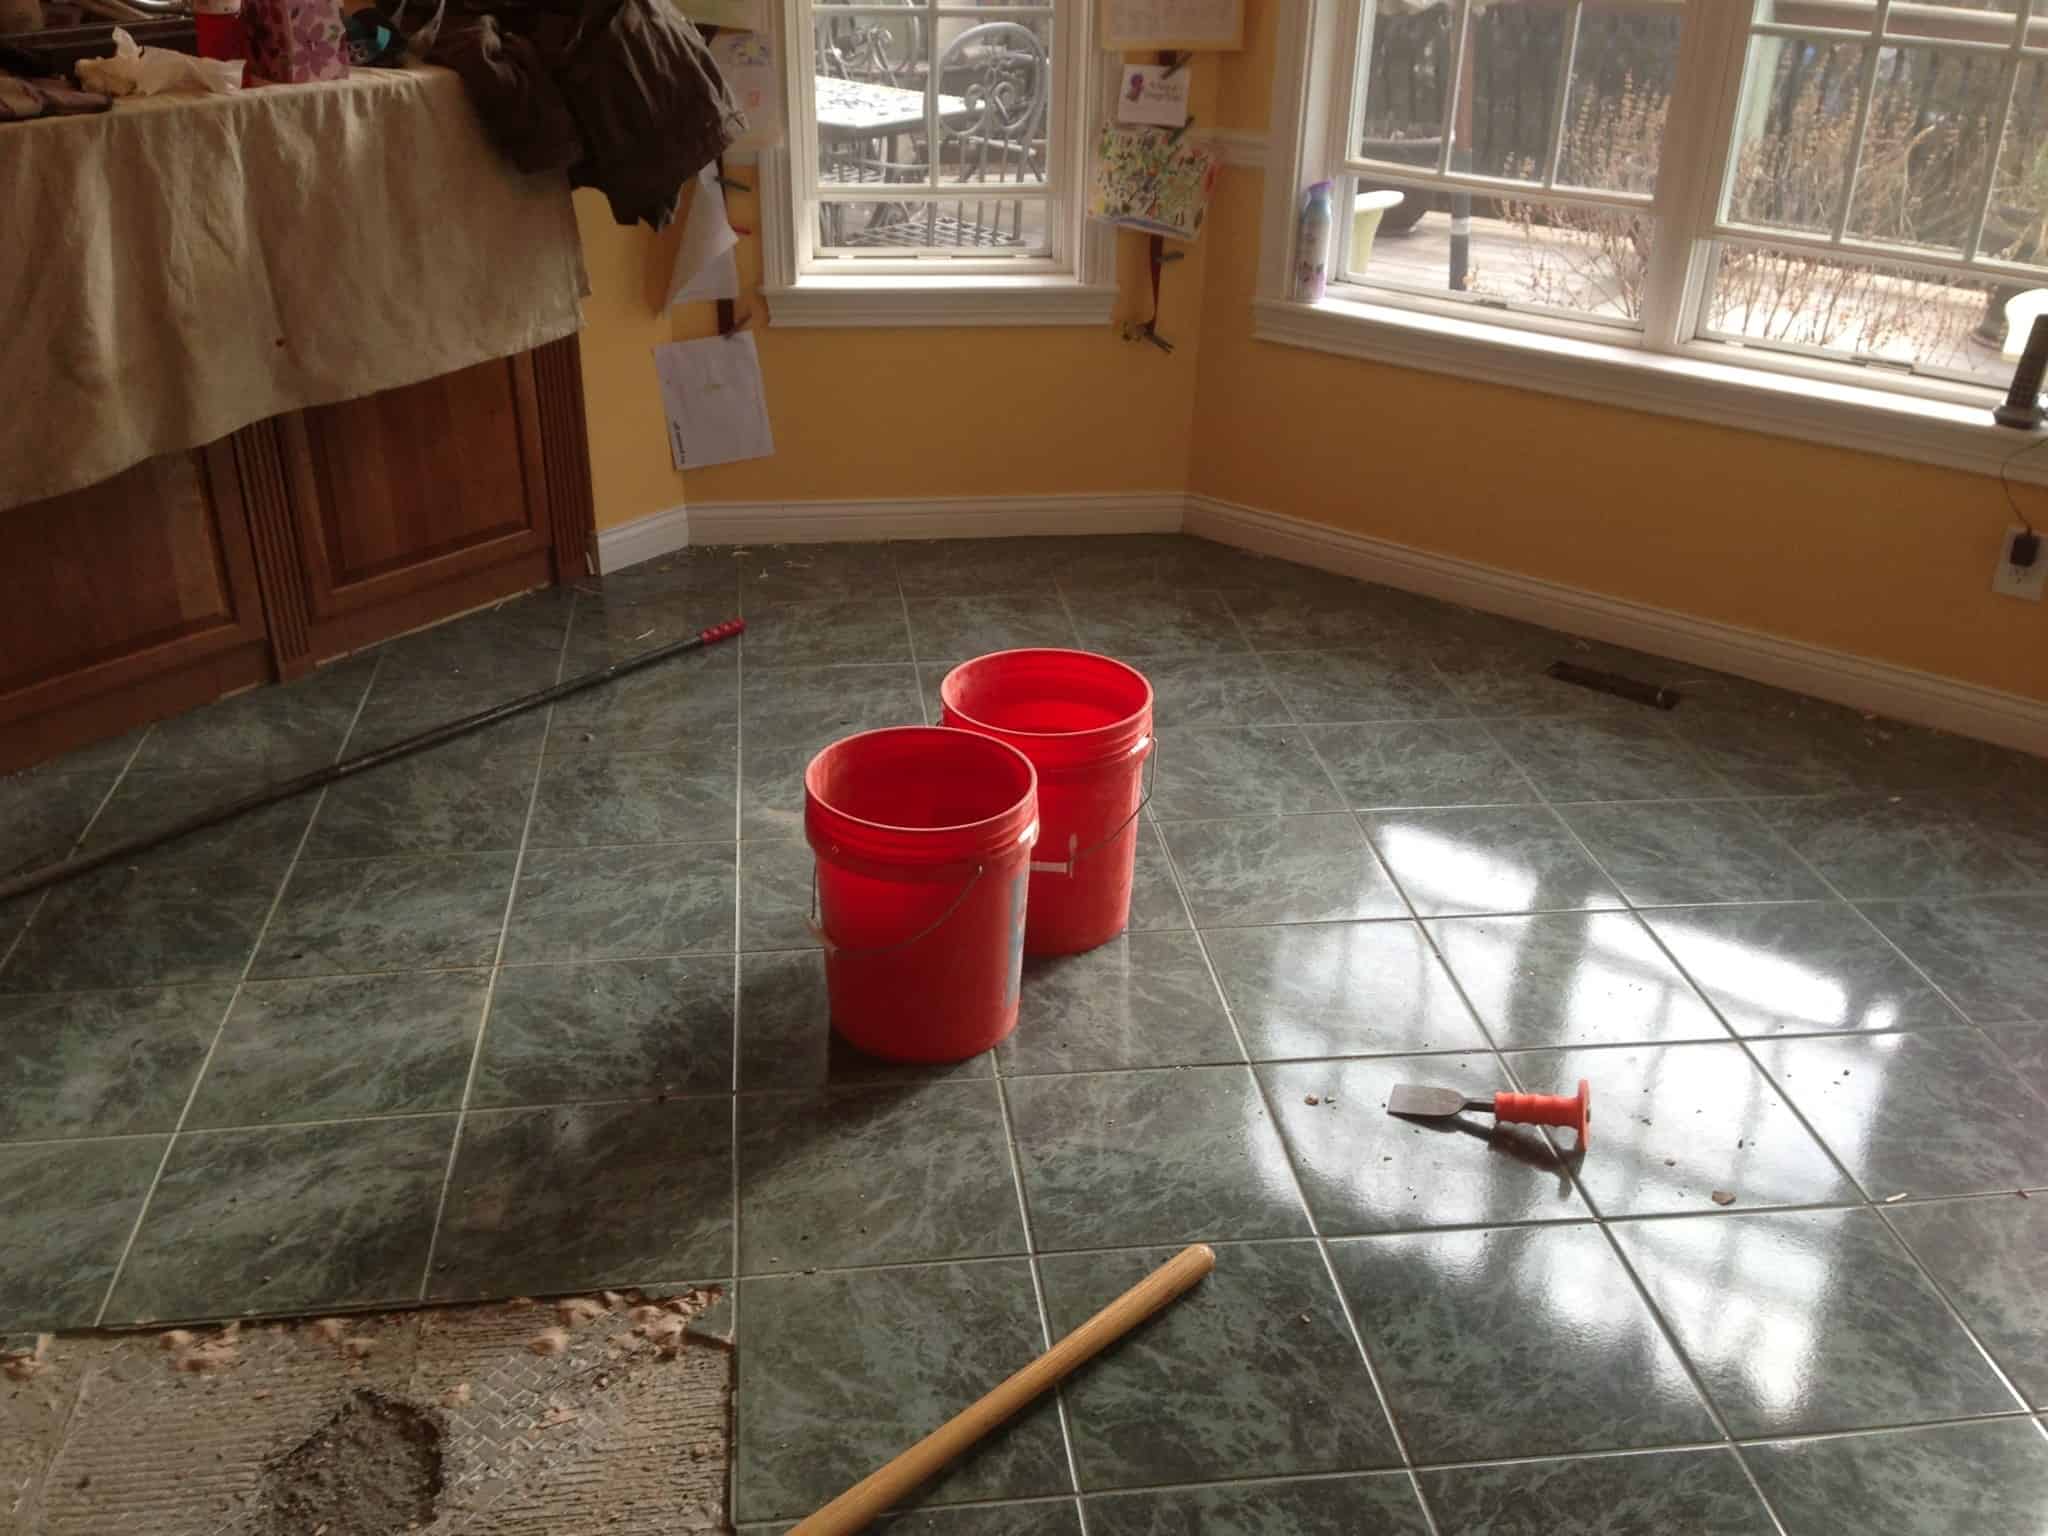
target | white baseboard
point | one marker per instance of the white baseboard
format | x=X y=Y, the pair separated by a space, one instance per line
x=645 y=538
x=1900 y=692
x=939 y=517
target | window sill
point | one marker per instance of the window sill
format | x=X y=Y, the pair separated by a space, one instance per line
x=915 y=301
x=1758 y=400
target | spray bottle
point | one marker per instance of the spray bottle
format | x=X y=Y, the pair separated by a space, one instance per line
x=1312 y=250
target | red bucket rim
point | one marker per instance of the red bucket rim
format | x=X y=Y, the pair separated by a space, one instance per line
x=1111 y=732
x=990 y=831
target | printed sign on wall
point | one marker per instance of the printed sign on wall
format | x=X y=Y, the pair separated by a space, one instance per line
x=1150 y=95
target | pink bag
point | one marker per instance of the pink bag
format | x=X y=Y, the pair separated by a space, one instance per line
x=292 y=40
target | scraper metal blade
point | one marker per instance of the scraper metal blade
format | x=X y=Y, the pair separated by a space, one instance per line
x=1422 y=1102
x=1432 y=1103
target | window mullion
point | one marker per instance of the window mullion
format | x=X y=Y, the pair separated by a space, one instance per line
x=931 y=111
x=1863 y=106
x=1453 y=87
x=1353 y=65
x=801 y=50
x=1567 y=58
x=1697 y=114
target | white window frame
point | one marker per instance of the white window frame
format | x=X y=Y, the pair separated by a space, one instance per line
x=1665 y=367
x=1075 y=285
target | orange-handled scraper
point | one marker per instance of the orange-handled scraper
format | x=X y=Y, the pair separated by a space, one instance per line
x=1567 y=1109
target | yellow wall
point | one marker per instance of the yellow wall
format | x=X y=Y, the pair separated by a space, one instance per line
x=981 y=411
x=1876 y=557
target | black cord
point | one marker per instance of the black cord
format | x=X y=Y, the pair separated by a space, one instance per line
x=2005 y=480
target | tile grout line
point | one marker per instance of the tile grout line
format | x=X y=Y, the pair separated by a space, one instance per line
x=1827 y=1148
x=227 y=1012
x=1295 y=1479
x=1657 y=1318
x=887 y=1085
x=1059 y=1396
x=1344 y=1309
x=1031 y=1246
x=476 y=1050
x=77 y=843
x=739 y=854
x=1416 y=925
x=1506 y=1069
x=1960 y=1023
x=1666 y=1329
x=1875 y=1206
x=1045 y=1334
x=924 y=713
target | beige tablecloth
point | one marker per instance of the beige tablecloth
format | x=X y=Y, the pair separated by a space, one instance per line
x=185 y=265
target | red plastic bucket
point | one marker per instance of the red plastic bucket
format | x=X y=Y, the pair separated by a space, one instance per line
x=1085 y=722
x=923 y=840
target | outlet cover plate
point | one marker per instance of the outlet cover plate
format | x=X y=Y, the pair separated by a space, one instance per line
x=2022 y=581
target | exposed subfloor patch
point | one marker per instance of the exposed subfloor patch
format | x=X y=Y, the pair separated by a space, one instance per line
x=603 y=1415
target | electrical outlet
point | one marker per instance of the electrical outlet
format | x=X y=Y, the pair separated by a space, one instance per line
x=2021 y=581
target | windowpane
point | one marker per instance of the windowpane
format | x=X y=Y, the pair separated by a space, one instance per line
x=978 y=226
x=1794 y=132
x=1857 y=310
x=872 y=43
x=1508 y=98
x=2016 y=224
x=1584 y=262
x=1000 y=72
x=1926 y=148
x=1622 y=74
x=933 y=103
x=872 y=132
x=1407 y=73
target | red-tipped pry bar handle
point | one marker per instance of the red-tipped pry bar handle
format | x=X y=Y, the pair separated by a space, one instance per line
x=318 y=778
x=1574 y=1111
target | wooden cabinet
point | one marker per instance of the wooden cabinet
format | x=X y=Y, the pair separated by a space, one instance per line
x=293 y=541
x=130 y=599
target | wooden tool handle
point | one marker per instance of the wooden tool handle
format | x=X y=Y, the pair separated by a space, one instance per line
x=854 y=1509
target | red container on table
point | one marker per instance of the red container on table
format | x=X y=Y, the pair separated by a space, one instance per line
x=219 y=25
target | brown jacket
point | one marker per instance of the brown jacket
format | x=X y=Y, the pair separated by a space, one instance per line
x=622 y=94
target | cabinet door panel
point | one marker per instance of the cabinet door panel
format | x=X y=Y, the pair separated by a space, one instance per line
x=415 y=503
x=143 y=582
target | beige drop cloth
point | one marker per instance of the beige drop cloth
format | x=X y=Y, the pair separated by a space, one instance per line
x=184 y=265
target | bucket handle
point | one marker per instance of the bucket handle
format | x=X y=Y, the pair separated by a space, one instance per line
x=1146 y=744
x=825 y=940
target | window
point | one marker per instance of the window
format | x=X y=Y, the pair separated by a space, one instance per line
x=1855 y=189
x=938 y=143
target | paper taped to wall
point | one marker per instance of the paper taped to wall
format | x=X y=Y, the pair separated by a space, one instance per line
x=1180 y=24
x=712 y=395
x=747 y=61
x=1150 y=95
x=750 y=15
x=1149 y=180
x=704 y=267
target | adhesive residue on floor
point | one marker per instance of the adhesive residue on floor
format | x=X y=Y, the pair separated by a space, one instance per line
x=609 y=1413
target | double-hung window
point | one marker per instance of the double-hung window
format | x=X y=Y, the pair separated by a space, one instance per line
x=936 y=144
x=1853 y=189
